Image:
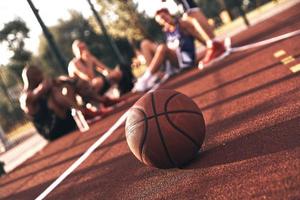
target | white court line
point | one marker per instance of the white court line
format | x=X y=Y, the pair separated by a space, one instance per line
x=82 y=158
x=265 y=42
x=122 y=119
x=91 y=149
x=295 y=68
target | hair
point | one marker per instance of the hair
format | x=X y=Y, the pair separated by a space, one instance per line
x=31 y=76
x=162 y=10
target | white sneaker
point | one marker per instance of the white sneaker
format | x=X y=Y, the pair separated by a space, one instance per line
x=142 y=84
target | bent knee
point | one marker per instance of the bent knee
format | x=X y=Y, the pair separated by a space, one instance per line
x=97 y=83
x=146 y=44
x=162 y=48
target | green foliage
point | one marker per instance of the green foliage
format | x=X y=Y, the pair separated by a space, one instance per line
x=10 y=112
x=154 y=31
x=121 y=19
x=66 y=31
x=14 y=34
x=212 y=9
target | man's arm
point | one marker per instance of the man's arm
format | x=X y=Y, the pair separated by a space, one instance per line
x=42 y=88
x=28 y=99
x=74 y=70
x=100 y=66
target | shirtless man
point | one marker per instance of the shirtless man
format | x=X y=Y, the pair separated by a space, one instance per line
x=87 y=68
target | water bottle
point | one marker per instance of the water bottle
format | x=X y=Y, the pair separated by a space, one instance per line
x=80 y=120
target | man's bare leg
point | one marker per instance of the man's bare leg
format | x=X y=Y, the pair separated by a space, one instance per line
x=162 y=54
x=115 y=75
x=148 y=49
x=97 y=84
x=201 y=23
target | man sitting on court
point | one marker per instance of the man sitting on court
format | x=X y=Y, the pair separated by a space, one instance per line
x=48 y=103
x=214 y=49
x=87 y=68
x=178 y=52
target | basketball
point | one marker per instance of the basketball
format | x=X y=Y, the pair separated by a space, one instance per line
x=165 y=129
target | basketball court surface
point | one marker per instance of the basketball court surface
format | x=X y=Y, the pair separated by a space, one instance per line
x=251 y=106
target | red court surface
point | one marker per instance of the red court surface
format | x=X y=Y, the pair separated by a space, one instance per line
x=251 y=105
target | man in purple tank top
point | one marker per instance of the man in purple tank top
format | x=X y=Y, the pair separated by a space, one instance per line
x=179 y=50
x=193 y=13
x=177 y=53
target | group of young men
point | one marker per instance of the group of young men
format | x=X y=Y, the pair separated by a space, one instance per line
x=48 y=101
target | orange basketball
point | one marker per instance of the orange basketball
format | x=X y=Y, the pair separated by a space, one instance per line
x=165 y=129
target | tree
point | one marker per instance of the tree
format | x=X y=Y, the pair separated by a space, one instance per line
x=10 y=88
x=121 y=19
x=13 y=35
x=123 y=22
x=66 y=31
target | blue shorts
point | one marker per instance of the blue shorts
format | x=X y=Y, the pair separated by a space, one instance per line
x=185 y=59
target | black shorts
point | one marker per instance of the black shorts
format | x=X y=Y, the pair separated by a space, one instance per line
x=126 y=83
x=50 y=126
x=106 y=84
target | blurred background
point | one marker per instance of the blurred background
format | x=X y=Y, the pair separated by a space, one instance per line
x=123 y=22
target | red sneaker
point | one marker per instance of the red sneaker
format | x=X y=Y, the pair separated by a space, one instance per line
x=100 y=112
x=109 y=101
x=89 y=114
x=216 y=50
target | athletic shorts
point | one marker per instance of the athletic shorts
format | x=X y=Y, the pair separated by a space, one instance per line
x=126 y=83
x=50 y=126
x=106 y=83
x=185 y=59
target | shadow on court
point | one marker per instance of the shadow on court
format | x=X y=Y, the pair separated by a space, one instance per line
x=68 y=159
x=277 y=138
x=80 y=189
x=236 y=80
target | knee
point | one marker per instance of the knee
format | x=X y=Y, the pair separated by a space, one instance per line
x=116 y=75
x=162 y=48
x=97 y=83
x=145 y=44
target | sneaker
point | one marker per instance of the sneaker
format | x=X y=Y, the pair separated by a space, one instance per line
x=216 y=50
x=143 y=85
x=102 y=111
